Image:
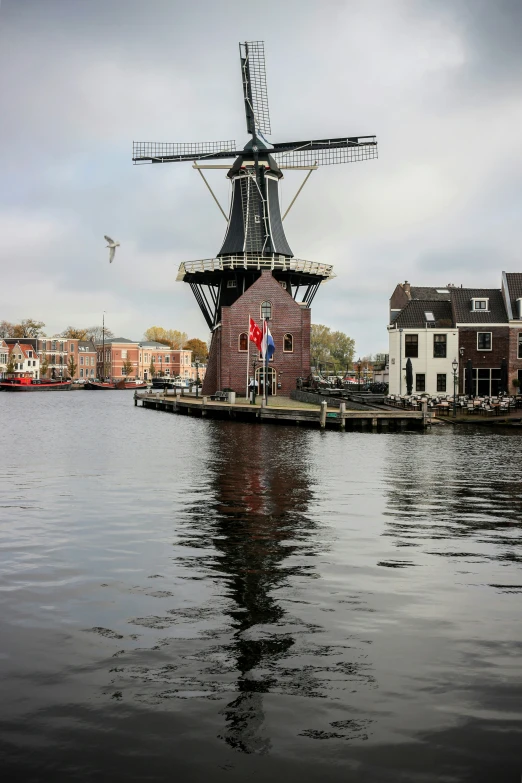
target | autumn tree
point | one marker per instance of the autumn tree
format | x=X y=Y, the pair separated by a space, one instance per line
x=73 y=333
x=95 y=333
x=71 y=366
x=199 y=349
x=171 y=337
x=127 y=367
x=334 y=348
x=6 y=329
x=11 y=363
x=28 y=328
x=152 y=368
x=44 y=365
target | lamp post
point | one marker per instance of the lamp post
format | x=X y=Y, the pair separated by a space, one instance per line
x=359 y=374
x=454 y=367
x=197 y=379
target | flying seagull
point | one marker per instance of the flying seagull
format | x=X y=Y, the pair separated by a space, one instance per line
x=112 y=247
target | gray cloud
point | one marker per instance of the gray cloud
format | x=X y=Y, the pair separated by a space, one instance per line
x=439 y=82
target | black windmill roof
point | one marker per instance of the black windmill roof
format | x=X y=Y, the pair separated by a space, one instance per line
x=413 y=315
x=462 y=306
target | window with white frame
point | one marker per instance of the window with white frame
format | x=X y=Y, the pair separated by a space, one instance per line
x=483 y=341
x=124 y=354
x=81 y=373
x=81 y=359
x=480 y=304
x=266 y=310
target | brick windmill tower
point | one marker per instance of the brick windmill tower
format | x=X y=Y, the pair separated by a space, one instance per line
x=255 y=272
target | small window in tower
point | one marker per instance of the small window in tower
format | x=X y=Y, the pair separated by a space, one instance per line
x=288 y=343
x=283 y=284
x=257 y=219
x=266 y=310
x=243 y=341
x=231 y=284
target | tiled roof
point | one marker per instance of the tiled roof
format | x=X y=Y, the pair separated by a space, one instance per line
x=112 y=340
x=413 y=315
x=463 y=314
x=154 y=344
x=514 y=281
x=430 y=294
x=86 y=345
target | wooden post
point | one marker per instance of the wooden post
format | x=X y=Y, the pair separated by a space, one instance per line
x=342 y=411
x=322 y=415
x=424 y=406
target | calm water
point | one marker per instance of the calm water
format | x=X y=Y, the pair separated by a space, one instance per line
x=191 y=600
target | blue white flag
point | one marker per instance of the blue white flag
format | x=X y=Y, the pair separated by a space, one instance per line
x=267 y=344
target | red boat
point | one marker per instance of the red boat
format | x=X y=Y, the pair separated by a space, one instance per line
x=33 y=385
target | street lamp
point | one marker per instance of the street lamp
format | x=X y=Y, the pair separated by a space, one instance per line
x=454 y=367
x=197 y=378
x=359 y=374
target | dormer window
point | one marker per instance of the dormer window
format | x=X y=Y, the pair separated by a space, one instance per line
x=480 y=304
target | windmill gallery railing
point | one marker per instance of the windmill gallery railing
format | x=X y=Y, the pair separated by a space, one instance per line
x=257 y=262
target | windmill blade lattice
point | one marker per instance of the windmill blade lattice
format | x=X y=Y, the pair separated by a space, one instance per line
x=325 y=152
x=253 y=72
x=160 y=152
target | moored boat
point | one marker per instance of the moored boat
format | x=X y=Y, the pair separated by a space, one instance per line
x=33 y=385
x=107 y=386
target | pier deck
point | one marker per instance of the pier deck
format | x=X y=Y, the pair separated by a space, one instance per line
x=287 y=412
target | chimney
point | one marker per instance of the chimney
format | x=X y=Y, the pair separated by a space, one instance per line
x=407 y=289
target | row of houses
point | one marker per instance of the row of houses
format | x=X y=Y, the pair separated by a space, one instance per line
x=57 y=357
x=441 y=329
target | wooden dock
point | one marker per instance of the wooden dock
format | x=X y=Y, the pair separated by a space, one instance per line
x=321 y=417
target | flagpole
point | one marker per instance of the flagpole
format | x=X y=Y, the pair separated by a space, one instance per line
x=248 y=357
x=265 y=336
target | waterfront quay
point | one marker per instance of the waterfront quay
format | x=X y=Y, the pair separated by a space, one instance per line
x=284 y=411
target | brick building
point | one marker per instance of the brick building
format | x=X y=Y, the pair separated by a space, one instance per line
x=487 y=322
x=290 y=324
x=119 y=352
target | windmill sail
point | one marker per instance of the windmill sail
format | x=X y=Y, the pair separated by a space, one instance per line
x=169 y=152
x=253 y=74
x=325 y=152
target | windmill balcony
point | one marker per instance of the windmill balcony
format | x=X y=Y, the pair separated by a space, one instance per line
x=254 y=261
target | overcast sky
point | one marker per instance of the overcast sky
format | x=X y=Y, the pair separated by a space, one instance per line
x=438 y=81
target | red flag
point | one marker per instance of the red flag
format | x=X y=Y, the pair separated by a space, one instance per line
x=255 y=334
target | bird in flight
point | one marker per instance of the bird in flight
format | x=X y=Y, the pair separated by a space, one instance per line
x=112 y=245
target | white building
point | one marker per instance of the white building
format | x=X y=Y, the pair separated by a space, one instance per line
x=26 y=361
x=4 y=358
x=424 y=332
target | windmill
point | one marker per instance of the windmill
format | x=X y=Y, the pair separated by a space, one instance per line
x=255 y=237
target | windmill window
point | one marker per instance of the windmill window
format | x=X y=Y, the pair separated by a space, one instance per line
x=288 y=343
x=231 y=284
x=257 y=219
x=266 y=310
x=243 y=342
